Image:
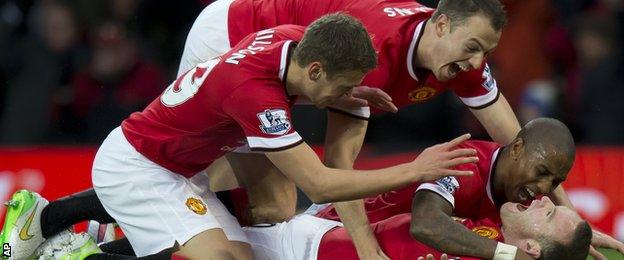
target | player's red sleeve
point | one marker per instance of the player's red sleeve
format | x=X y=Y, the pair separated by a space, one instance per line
x=178 y=257
x=264 y=116
x=476 y=88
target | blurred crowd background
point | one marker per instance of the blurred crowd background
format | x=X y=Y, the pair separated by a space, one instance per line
x=71 y=71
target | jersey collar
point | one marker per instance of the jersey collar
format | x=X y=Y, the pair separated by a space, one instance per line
x=488 y=187
x=412 y=48
x=284 y=61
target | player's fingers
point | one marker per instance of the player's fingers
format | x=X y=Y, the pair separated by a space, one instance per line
x=461 y=153
x=383 y=94
x=371 y=93
x=457 y=141
x=421 y=258
x=430 y=257
x=357 y=101
x=448 y=172
x=391 y=107
x=384 y=105
x=595 y=254
x=459 y=161
x=617 y=245
x=444 y=257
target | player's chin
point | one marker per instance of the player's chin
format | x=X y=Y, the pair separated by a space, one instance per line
x=507 y=207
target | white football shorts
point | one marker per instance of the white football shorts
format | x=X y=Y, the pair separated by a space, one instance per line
x=155 y=207
x=296 y=239
x=208 y=37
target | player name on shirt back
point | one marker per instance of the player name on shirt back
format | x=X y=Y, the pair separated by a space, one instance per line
x=255 y=46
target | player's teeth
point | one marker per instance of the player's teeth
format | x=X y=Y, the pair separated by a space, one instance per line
x=530 y=192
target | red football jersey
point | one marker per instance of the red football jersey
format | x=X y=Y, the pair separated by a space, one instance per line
x=469 y=195
x=221 y=104
x=394 y=239
x=395 y=27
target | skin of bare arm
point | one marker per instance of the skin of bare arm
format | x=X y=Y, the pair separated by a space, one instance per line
x=344 y=138
x=433 y=225
x=301 y=165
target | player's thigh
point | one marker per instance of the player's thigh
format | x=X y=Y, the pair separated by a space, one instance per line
x=228 y=223
x=272 y=196
x=155 y=208
x=214 y=244
x=221 y=175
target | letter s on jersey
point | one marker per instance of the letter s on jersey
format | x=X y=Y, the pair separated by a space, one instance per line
x=187 y=85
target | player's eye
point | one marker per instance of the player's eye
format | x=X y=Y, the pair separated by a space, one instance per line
x=549 y=212
x=472 y=48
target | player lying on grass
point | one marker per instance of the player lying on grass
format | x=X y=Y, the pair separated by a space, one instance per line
x=540 y=230
x=537 y=230
x=141 y=171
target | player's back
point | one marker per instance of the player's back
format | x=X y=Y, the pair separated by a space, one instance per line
x=188 y=126
x=392 y=24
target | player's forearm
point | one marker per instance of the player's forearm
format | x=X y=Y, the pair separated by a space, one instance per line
x=499 y=121
x=353 y=216
x=560 y=197
x=342 y=145
x=343 y=141
x=343 y=185
x=441 y=232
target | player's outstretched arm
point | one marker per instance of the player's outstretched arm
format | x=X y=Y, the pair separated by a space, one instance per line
x=433 y=225
x=499 y=121
x=344 y=138
x=322 y=184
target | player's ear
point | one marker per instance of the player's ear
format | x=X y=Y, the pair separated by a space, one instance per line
x=315 y=70
x=442 y=24
x=517 y=148
x=531 y=247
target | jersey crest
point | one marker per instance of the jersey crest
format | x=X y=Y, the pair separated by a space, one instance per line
x=421 y=94
x=486 y=232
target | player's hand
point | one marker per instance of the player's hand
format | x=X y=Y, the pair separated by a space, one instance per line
x=600 y=239
x=438 y=161
x=431 y=257
x=367 y=96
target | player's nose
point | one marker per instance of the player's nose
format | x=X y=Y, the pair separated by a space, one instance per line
x=476 y=60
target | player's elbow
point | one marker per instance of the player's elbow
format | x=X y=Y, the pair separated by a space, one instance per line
x=417 y=230
x=317 y=192
x=320 y=196
x=420 y=223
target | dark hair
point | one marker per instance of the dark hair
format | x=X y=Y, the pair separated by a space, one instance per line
x=551 y=133
x=576 y=248
x=460 y=10
x=339 y=42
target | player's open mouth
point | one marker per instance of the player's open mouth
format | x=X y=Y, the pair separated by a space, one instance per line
x=521 y=207
x=526 y=195
x=454 y=69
